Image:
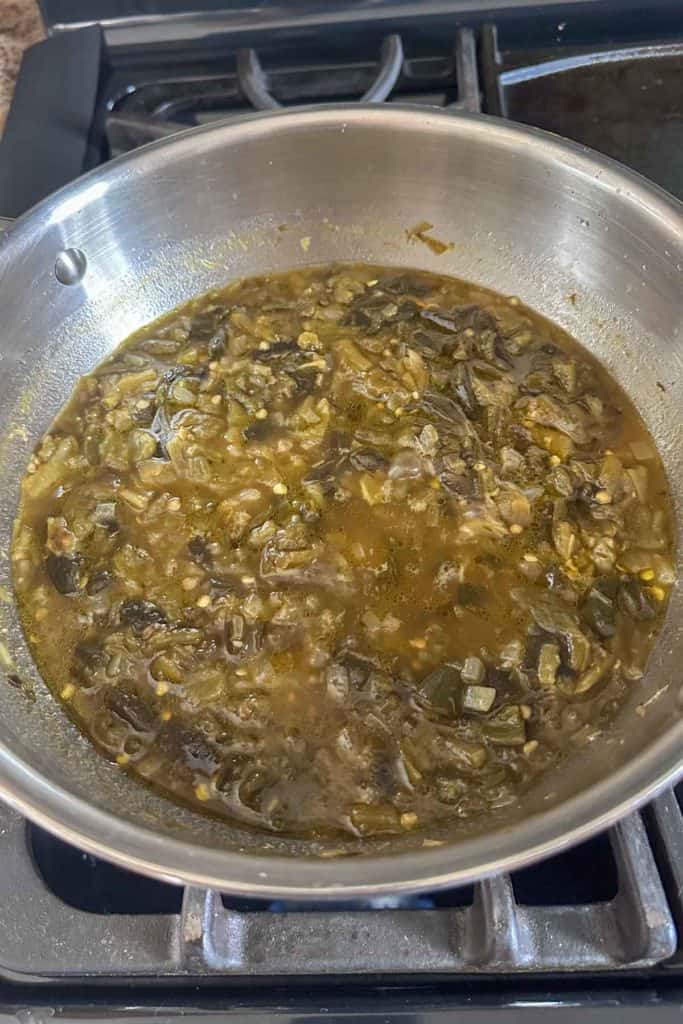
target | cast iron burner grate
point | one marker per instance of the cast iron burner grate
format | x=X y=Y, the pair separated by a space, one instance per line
x=586 y=90
x=598 y=907
x=155 y=108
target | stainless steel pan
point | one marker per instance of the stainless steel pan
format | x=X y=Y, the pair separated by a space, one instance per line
x=583 y=240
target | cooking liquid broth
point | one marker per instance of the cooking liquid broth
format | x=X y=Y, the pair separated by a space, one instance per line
x=344 y=550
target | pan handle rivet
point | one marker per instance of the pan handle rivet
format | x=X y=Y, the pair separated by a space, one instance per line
x=70 y=266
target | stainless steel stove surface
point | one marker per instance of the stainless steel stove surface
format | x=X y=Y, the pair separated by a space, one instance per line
x=591 y=934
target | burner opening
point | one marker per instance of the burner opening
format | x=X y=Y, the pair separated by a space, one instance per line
x=583 y=874
x=86 y=883
x=460 y=897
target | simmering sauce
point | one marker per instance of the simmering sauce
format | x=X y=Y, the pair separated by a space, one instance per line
x=344 y=550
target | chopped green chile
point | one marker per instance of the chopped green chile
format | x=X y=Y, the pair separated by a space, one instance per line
x=479 y=698
x=548 y=664
x=473 y=671
x=348 y=551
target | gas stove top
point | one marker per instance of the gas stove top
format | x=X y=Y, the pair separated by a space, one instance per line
x=601 y=907
x=594 y=928
x=594 y=932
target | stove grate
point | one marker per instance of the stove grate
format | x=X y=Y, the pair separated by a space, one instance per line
x=485 y=929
